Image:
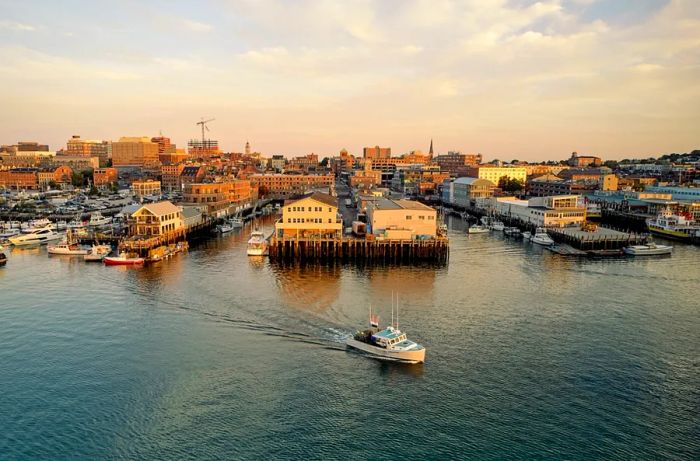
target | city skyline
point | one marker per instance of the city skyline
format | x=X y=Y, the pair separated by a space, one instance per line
x=518 y=79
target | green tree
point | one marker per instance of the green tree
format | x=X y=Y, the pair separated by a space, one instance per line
x=507 y=184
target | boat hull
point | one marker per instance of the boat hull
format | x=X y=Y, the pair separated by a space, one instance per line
x=257 y=251
x=668 y=233
x=658 y=251
x=66 y=251
x=123 y=261
x=414 y=356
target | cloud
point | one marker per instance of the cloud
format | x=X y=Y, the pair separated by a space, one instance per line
x=196 y=26
x=17 y=26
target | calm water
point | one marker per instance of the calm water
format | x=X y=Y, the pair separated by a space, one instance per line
x=214 y=356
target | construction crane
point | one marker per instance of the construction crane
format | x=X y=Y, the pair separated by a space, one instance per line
x=204 y=125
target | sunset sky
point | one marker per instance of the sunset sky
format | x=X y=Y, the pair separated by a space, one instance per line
x=508 y=79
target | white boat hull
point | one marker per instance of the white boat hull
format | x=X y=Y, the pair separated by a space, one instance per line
x=411 y=356
x=542 y=241
x=257 y=251
x=648 y=251
x=57 y=250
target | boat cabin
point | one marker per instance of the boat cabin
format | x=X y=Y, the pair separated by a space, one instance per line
x=388 y=337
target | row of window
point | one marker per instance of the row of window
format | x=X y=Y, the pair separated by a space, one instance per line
x=311 y=208
x=307 y=220
x=421 y=217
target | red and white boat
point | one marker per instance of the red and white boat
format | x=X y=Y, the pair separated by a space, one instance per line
x=123 y=260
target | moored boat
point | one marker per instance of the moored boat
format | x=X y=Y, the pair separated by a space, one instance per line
x=497 y=226
x=97 y=220
x=124 y=260
x=36 y=237
x=68 y=246
x=3 y=259
x=541 y=237
x=478 y=229
x=97 y=253
x=673 y=225
x=527 y=235
x=257 y=244
x=650 y=249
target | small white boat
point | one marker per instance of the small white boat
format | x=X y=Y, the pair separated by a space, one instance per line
x=497 y=226
x=257 y=244
x=237 y=222
x=478 y=229
x=37 y=224
x=512 y=231
x=389 y=343
x=97 y=253
x=650 y=249
x=68 y=246
x=224 y=228
x=541 y=237
x=527 y=235
x=97 y=220
x=36 y=237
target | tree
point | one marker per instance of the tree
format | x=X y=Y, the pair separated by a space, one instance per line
x=507 y=184
x=324 y=162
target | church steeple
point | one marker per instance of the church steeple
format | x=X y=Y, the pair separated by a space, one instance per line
x=431 y=147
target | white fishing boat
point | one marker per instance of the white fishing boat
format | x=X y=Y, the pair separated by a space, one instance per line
x=257 y=244
x=478 y=229
x=36 y=237
x=225 y=227
x=390 y=343
x=98 y=253
x=527 y=235
x=68 y=246
x=497 y=226
x=237 y=222
x=541 y=237
x=97 y=220
x=650 y=249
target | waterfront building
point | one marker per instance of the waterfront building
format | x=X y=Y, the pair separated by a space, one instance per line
x=58 y=175
x=466 y=191
x=455 y=162
x=141 y=189
x=584 y=160
x=156 y=219
x=687 y=194
x=103 y=177
x=134 y=152
x=554 y=211
x=78 y=147
x=290 y=185
x=376 y=152
x=219 y=196
x=494 y=173
x=401 y=219
x=315 y=215
x=19 y=178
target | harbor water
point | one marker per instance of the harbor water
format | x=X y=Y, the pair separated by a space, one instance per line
x=214 y=355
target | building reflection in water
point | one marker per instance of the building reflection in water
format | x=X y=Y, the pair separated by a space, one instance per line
x=308 y=287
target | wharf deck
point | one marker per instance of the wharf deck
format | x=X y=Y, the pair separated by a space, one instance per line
x=359 y=250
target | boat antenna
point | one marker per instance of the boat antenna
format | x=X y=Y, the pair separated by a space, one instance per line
x=392 y=308
x=397 y=310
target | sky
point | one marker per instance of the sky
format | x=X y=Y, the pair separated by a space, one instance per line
x=510 y=79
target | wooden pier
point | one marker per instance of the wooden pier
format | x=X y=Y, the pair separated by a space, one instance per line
x=359 y=250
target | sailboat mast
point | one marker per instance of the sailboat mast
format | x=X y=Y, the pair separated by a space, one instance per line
x=397 y=311
x=392 y=308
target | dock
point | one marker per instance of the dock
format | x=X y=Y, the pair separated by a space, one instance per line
x=601 y=242
x=359 y=250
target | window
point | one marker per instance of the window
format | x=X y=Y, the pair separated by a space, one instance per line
x=289 y=220
x=408 y=217
x=421 y=217
x=329 y=220
x=289 y=209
